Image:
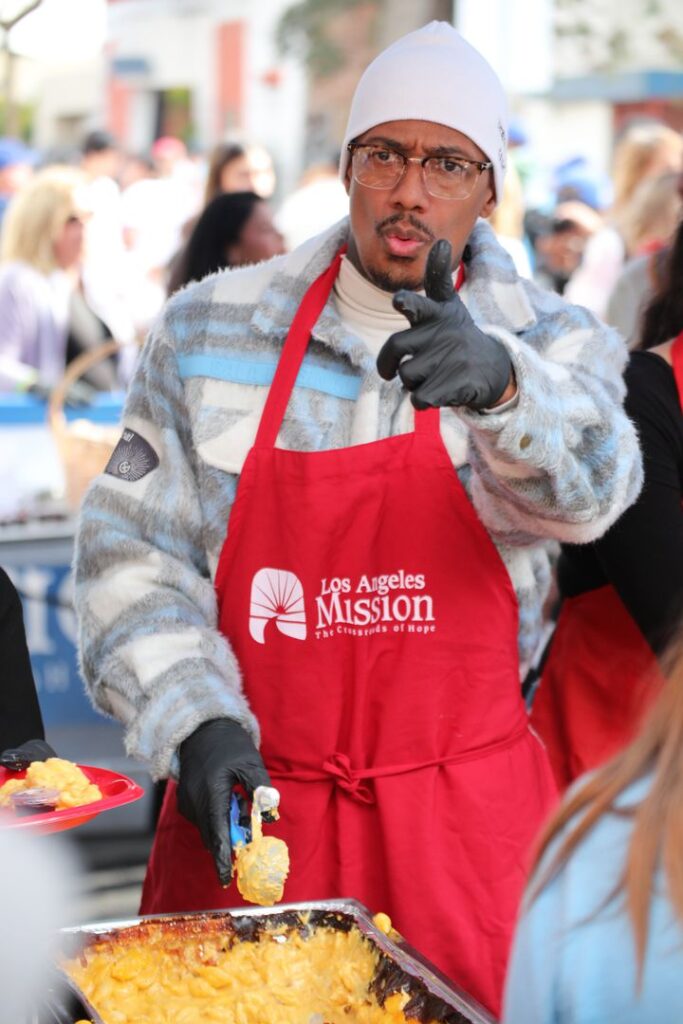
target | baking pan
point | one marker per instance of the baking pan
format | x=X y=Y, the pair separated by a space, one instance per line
x=433 y=996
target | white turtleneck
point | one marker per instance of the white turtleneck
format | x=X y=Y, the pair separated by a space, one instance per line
x=364 y=309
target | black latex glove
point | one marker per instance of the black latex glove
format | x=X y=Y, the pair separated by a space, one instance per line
x=18 y=758
x=213 y=759
x=451 y=361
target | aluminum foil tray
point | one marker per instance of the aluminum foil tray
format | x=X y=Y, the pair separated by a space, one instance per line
x=433 y=996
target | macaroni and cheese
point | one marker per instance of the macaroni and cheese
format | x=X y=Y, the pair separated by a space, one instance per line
x=65 y=777
x=148 y=975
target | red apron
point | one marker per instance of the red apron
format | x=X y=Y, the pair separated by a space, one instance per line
x=376 y=628
x=601 y=676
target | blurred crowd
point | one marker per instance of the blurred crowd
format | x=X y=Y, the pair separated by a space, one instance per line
x=91 y=246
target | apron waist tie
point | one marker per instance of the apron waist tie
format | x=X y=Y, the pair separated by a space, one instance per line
x=337 y=767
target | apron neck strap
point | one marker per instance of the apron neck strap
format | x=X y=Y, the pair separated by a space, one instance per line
x=428 y=421
x=294 y=350
x=677 y=361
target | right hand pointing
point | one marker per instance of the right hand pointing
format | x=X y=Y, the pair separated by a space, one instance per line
x=217 y=756
x=443 y=358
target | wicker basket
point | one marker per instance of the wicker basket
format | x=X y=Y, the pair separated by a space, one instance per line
x=84 y=447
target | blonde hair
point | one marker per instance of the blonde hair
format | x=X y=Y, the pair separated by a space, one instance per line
x=653 y=213
x=657 y=835
x=36 y=216
x=635 y=154
x=507 y=218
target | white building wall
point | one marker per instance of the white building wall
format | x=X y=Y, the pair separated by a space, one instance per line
x=178 y=40
x=175 y=40
x=70 y=103
x=515 y=36
x=274 y=115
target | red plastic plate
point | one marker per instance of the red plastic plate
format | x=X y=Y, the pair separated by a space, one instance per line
x=117 y=790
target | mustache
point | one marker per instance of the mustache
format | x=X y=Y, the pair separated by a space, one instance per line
x=404 y=218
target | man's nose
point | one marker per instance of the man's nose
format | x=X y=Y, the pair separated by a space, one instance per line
x=410 y=192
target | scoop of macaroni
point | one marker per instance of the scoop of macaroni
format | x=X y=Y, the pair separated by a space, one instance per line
x=262 y=866
x=73 y=786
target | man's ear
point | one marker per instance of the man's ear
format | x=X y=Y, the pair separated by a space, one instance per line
x=489 y=201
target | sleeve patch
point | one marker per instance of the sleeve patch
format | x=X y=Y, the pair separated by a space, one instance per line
x=132 y=458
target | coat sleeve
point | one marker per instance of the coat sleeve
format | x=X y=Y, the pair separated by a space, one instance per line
x=150 y=649
x=564 y=462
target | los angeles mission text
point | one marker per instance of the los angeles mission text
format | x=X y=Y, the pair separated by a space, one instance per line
x=369 y=605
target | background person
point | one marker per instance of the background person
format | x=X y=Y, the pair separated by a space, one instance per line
x=319 y=201
x=656 y=214
x=507 y=220
x=155 y=209
x=40 y=257
x=623 y=593
x=601 y=937
x=426 y=501
x=653 y=215
x=234 y=230
x=577 y=180
x=104 y=271
x=228 y=171
x=644 y=151
x=262 y=170
x=559 y=241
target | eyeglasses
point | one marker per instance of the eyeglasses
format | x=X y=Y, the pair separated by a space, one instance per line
x=445 y=177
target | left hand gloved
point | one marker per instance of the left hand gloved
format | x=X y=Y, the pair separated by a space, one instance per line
x=217 y=756
x=451 y=361
x=15 y=759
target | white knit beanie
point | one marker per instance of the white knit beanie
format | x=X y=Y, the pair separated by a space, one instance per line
x=433 y=74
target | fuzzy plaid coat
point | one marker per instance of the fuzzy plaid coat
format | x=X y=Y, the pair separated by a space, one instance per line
x=559 y=466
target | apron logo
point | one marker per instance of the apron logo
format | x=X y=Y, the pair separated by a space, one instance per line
x=277 y=594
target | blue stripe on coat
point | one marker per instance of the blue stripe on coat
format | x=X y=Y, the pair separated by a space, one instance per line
x=255 y=371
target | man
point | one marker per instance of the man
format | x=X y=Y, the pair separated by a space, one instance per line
x=105 y=273
x=366 y=609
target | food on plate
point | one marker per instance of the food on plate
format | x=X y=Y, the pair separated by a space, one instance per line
x=70 y=784
x=239 y=971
